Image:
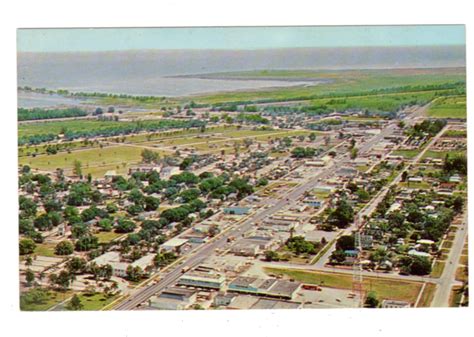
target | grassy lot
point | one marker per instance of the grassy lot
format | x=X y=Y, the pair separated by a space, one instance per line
x=385 y=288
x=28 y=303
x=362 y=168
x=464 y=260
x=96 y=301
x=448 y=107
x=455 y=134
x=441 y=154
x=461 y=274
x=447 y=244
x=437 y=269
x=106 y=237
x=45 y=249
x=95 y=161
x=408 y=154
x=420 y=185
x=427 y=296
x=455 y=296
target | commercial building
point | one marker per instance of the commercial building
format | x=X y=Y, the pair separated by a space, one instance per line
x=202 y=279
x=264 y=287
x=395 y=304
x=174 y=298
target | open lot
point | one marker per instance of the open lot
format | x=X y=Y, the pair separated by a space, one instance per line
x=385 y=288
x=95 y=161
x=449 y=107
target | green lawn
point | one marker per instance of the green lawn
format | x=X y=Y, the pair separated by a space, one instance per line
x=449 y=107
x=437 y=269
x=96 y=301
x=441 y=154
x=455 y=296
x=385 y=288
x=95 y=161
x=408 y=154
x=29 y=302
x=427 y=296
x=45 y=249
x=106 y=237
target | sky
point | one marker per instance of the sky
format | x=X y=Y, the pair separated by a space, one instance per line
x=113 y=39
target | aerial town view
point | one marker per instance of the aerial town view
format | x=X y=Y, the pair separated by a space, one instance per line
x=291 y=168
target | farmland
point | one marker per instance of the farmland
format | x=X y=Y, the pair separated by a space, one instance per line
x=449 y=107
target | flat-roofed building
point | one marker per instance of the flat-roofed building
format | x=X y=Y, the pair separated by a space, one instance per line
x=174 y=298
x=266 y=303
x=173 y=244
x=201 y=279
x=264 y=287
x=395 y=304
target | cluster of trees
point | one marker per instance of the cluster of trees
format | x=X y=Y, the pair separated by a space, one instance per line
x=303 y=152
x=299 y=245
x=431 y=127
x=342 y=215
x=345 y=242
x=415 y=265
x=455 y=164
x=37 y=113
x=115 y=129
x=251 y=119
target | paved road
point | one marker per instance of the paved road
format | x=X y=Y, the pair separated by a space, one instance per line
x=441 y=298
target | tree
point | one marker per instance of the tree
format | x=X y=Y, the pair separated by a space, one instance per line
x=458 y=204
x=76 y=265
x=312 y=136
x=63 y=279
x=343 y=215
x=86 y=243
x=30 y=277
x=420 y=265
x=77 y=168
x=64 y=248
x=149 y=156
x=105 y=225
x=299 y=245
x=75 y=303
x=271 y=255
x=125 y=226
x=134 y=274
x=338 y=256
x=27 y=246
x=345 y=242
x=371 y=300
x=354 y=153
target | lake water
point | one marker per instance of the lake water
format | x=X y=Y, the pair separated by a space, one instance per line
x=147 y=72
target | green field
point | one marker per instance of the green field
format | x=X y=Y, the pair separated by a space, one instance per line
x=95 y=161
x=96 y=301
x=408 y=154
x=441 y=154
x=448 y=107
x=385 y=288
x=437 y=269
x=455 y=133
x=341 y=82
x=45 y=249
x=106 y=237
x=28 y=303
x=427 y=296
